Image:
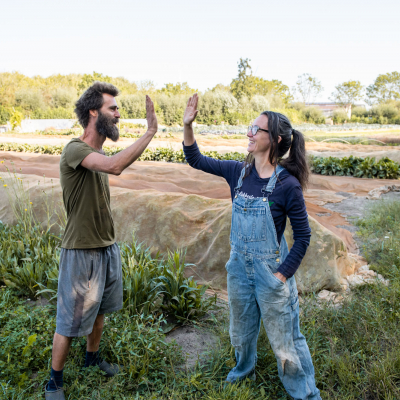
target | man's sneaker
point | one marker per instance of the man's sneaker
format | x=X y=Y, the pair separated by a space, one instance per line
x=109 y=369
x=55 y=394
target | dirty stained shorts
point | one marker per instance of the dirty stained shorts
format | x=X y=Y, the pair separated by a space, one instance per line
x=89 y=283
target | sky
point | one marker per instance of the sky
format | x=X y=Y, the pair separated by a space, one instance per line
x=201 y=42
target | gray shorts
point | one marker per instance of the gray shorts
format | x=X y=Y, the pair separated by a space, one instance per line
x=89 y=283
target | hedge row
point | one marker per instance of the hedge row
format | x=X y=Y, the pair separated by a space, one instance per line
x=367 y=167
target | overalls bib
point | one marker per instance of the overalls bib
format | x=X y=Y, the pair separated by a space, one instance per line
x=255 y=293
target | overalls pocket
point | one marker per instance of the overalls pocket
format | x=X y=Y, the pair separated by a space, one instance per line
x=271 y=267
x=249 y=223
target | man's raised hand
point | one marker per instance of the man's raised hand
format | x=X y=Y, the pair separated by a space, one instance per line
x=191 y=110
x=152 y=125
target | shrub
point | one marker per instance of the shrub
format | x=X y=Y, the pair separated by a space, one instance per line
x=388 y=111
x=5 y=114
x=29 y=99
x=53 y=113
x=259 y=103
x=63 y=98
x=359 y=112
x=295 y=116
x=313 y=115
x=216 y=106
x=340 y=116
x=132 y=106
x=171 y=108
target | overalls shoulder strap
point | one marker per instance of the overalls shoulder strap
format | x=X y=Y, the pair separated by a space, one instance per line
x=240 y=181
x=272 y=181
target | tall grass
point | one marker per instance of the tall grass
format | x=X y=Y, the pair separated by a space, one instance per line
x=381 y=233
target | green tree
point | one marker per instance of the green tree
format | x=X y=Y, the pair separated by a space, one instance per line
x=248 y=85
x=240 y=86
x=220 y=88
x=263 y=87
x=178 y=88
x=347 y=93
x=386 y=87
x=308 y=87
x=88 y=79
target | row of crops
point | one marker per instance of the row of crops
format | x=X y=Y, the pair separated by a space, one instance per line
x=367 y=167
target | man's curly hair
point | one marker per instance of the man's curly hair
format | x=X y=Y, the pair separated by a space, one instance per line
x=92 y=99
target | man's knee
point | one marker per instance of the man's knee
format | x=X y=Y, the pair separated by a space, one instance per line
x=99 y=321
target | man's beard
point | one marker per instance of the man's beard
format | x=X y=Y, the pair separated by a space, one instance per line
x=106 y=127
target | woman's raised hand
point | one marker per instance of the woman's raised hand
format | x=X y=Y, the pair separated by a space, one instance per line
x=191 y=110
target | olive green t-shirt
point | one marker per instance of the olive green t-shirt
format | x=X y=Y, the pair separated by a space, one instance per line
x=86 y=196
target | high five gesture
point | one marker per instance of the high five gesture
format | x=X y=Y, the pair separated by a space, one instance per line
x=188 y=118
x=151 y=117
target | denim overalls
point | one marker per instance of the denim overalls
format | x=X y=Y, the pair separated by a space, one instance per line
x=255 y=293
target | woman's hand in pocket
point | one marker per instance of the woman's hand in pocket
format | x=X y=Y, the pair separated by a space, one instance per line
x=280 y=277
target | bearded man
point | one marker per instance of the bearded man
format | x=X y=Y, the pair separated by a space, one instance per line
x=90 y=273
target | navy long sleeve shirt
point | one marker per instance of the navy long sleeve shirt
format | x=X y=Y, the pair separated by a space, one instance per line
x=287 y=200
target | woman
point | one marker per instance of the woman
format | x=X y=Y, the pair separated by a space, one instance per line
x=265 y=190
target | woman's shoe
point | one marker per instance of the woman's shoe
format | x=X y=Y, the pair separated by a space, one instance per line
x=109 y=369
x=55 y=394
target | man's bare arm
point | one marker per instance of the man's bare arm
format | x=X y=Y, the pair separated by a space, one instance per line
x=116 y=164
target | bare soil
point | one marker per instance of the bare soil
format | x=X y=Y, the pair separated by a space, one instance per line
x=195 y=342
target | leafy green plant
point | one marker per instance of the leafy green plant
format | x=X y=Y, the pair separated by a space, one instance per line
x=32 y=148
x=182 y=295
x=140 y=278
x=28 y=257
x=366 y=167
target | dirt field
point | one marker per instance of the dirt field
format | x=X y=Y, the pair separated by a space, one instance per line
x=175 y=178
x=178 y=178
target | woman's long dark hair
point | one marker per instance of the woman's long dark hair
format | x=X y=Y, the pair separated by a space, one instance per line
x=292 y=140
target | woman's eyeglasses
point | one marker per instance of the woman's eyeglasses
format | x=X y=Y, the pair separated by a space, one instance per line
x=254 y=129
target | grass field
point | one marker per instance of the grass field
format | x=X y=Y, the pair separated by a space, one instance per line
x=356 y=349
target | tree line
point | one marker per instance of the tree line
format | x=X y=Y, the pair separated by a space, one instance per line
x=238 y=103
